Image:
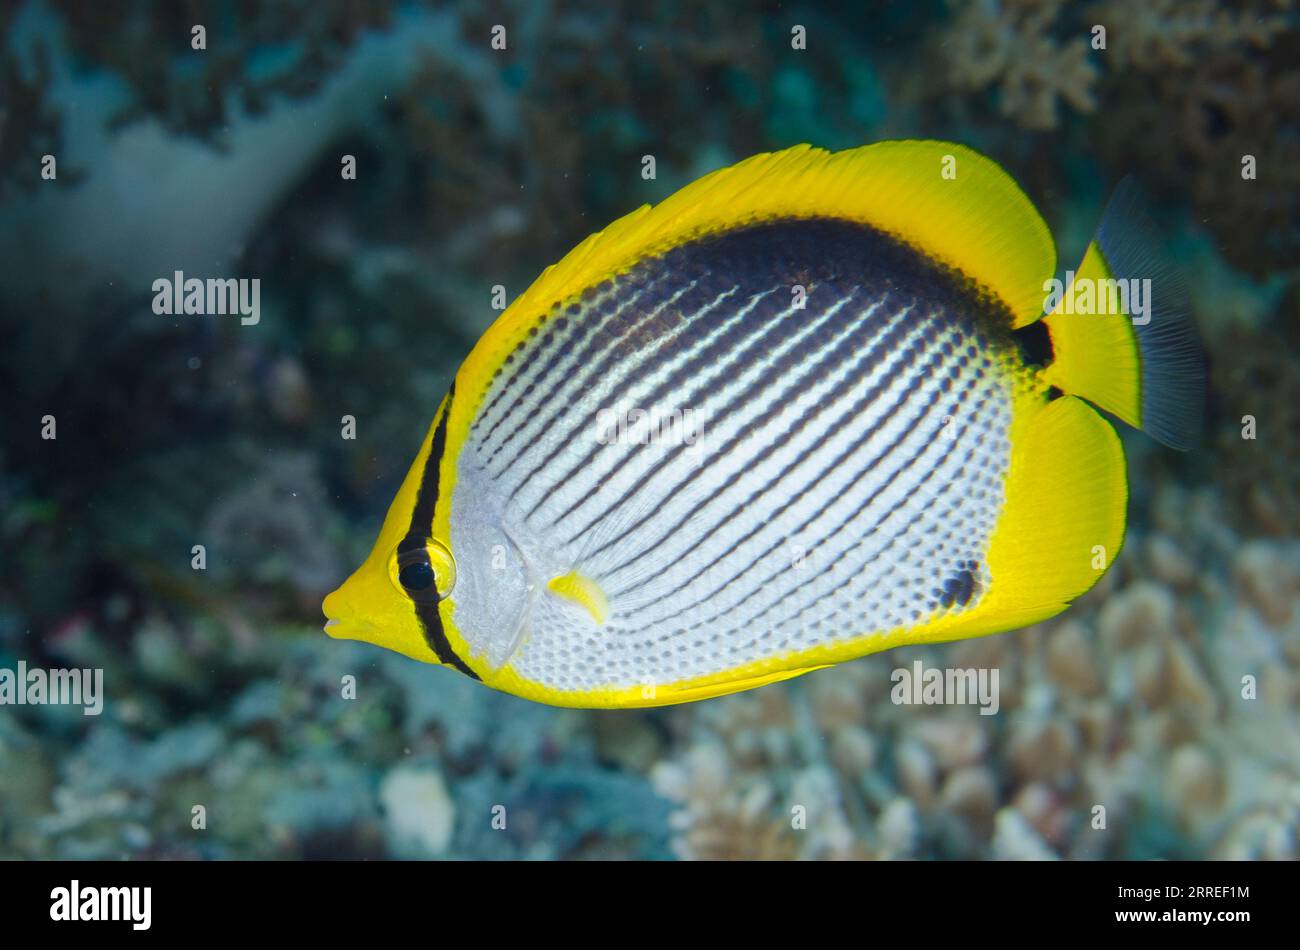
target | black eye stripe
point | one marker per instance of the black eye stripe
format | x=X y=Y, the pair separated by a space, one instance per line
x=426 y=498
x=426 y=607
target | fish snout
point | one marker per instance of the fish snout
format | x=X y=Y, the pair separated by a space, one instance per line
x=341 y=618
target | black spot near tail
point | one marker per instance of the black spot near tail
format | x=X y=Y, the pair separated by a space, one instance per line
x=961 y=587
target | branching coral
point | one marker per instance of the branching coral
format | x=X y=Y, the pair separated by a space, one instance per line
x=1175 y=33
x=1010 y=44
x=1180 y=92
x=1195 y=88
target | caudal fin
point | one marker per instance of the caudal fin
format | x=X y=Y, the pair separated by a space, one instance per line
x=1122 y=333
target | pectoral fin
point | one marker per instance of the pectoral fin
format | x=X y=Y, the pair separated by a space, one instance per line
x=577 y=588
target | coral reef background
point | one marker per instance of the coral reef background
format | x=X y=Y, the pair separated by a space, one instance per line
x=479 y=167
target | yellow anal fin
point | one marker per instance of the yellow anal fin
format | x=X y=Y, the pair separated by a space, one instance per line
x=667 y=695
x=580 y=589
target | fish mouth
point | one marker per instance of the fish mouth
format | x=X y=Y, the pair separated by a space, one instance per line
x=342 y=626
x=350 y=628
x=330 y=608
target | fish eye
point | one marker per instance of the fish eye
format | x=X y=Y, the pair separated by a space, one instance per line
x=426 y=573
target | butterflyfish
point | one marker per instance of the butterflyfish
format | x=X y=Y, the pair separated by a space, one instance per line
x=812 y=406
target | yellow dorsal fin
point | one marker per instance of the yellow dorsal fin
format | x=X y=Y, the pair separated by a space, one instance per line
x=942 y=198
